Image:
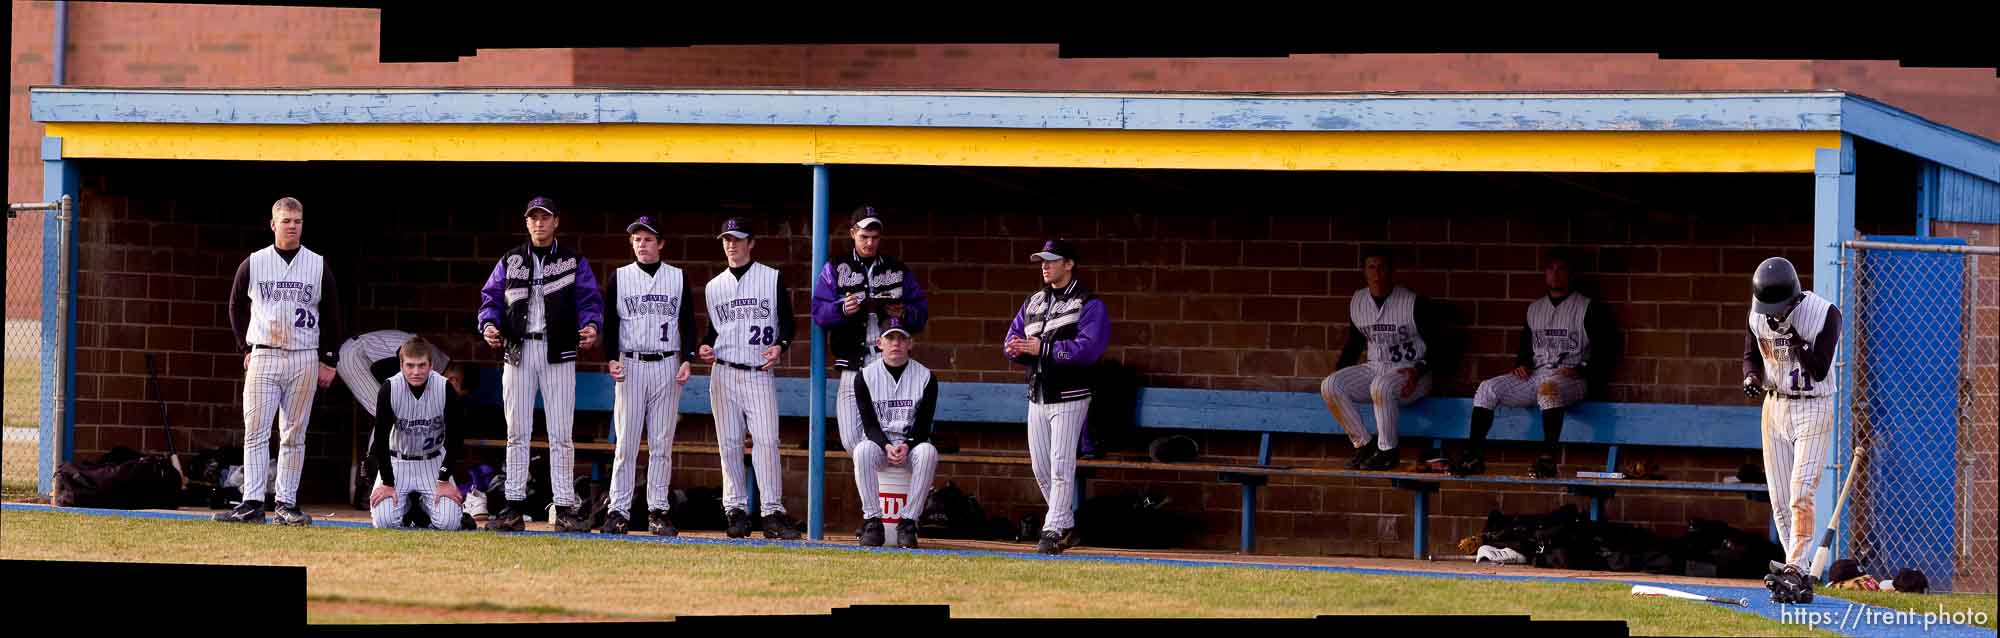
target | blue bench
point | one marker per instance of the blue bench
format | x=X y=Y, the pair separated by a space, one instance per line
x=1271 y=413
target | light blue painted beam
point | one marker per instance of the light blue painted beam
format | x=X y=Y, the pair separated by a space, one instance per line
x=1803 y=112
x=1903 y=131
x=1833 y=223
x=1356 y=112
x=58 y=427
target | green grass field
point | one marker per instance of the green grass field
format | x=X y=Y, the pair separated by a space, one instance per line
x=378 y=576
x=24 y=392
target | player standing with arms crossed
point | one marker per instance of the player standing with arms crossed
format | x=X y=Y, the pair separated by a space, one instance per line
x=542 y=305
x=855 y=299
x=1058 y=334
x=1551 y=365
x=750 y=320
x=897 y=400
x=413 y=440
x=1788 y=358
x=1389 y=322
x=290 y=291
x=650 y=327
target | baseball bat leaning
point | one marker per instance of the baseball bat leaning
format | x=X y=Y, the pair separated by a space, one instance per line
x=1819 y=563
x=1650 y=590
x=173 y=455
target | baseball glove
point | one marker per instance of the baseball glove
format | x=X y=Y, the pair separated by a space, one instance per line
x=1788 y=584
x=1469 y=545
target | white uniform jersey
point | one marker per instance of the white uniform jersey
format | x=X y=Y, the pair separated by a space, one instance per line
x=284 y=299
x=419 y=428
x=744 y=312
x=1391 y=328
x=1782 y=372
x=649 y=309
x=1559 y=337
x=896 y=399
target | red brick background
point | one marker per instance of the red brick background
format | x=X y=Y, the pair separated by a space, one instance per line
x=1213 y=279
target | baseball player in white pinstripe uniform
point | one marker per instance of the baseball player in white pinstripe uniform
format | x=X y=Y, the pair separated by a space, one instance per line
x=897 y=400
x=649 y=331
x=1058 y=334
x=413 y=441
x=750 y=325
x=1551 y=367
x=541 y=304
x=1788 y=358
x=365 y=354
x=1389 y=322
x=290 y=293
x=855 y=299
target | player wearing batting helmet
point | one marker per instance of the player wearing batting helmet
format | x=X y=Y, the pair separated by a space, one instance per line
x=1057 y=335
x=542 y=305
x=1788 y=359
x=293 y=307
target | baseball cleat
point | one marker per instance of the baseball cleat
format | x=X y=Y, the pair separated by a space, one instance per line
x=615 y=523
x=289 y=515
x=248 y=512
x=1383 y=460
x=465 y=522
x=778 y=526
x=1050 y=544
x=508 y=520
x=1544 y=468
x=739 y=524
x=906 y=534
x=1069 y=538
x=872 y=533
x=567 y=520
x=661 y=524
x=1468 y=464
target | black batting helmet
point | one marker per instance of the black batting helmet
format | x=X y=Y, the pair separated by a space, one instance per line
x=1774 y=287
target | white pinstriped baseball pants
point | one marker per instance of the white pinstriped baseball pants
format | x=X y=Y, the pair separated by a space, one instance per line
x=1796 y=437
x=557 y=384
x=1053 y=431
x=746 y=401
x=281 y=381
x=647 y=402
x=869 y=458
x=1544 y=387
x=1382 y=390
x=416 y=480
x=848 y=414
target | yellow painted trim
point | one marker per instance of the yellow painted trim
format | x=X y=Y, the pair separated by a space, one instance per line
x=1550 y=151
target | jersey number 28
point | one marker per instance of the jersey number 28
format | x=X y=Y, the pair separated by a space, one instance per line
x=766 y=336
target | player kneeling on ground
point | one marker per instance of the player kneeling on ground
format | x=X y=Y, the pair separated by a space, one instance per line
x=896 y=398
x=411 y=440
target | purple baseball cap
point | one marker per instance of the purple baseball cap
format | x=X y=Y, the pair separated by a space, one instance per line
x=645 y=223
x=547 y=205
x=1055 y=249
x=866 y=217
x=737 y=227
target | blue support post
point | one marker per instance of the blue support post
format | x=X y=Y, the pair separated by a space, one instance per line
x=1249 y=539
x=1597 y=502
x=816 y=393
x=1833 y=223
x=60 y=179
x=1420 y=529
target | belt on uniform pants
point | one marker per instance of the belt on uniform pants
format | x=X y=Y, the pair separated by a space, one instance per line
x=648 y=356
x=735 y=365
x=426 y=457
x=535 y=335
x=1792 y=397
x=264 y=347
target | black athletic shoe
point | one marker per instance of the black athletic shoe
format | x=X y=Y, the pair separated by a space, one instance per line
x=739 y=524
x=1362 y=454
x=615 y=523
x=906 y=534
x=567 y=520
x=872 y=533
x=1469 y=463
x=1069 y=538
x=1383 y=460
x=661 y=524
x=508 y=520
x=777 y=526
x=1544 y=468
x=248 y=512
x=1050 y=544
x=289 y=515
x=465 y=522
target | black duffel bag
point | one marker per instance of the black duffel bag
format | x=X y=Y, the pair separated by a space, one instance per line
x=124 y=480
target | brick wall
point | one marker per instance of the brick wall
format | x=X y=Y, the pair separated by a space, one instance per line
x=1213 y=280
x=1979 y=408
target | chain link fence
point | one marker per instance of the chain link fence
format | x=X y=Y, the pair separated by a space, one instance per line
x=21 y=448
x=1920 y=351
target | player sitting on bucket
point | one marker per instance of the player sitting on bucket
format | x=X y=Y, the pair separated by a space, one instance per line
x=896 y=397
x=411 y=441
